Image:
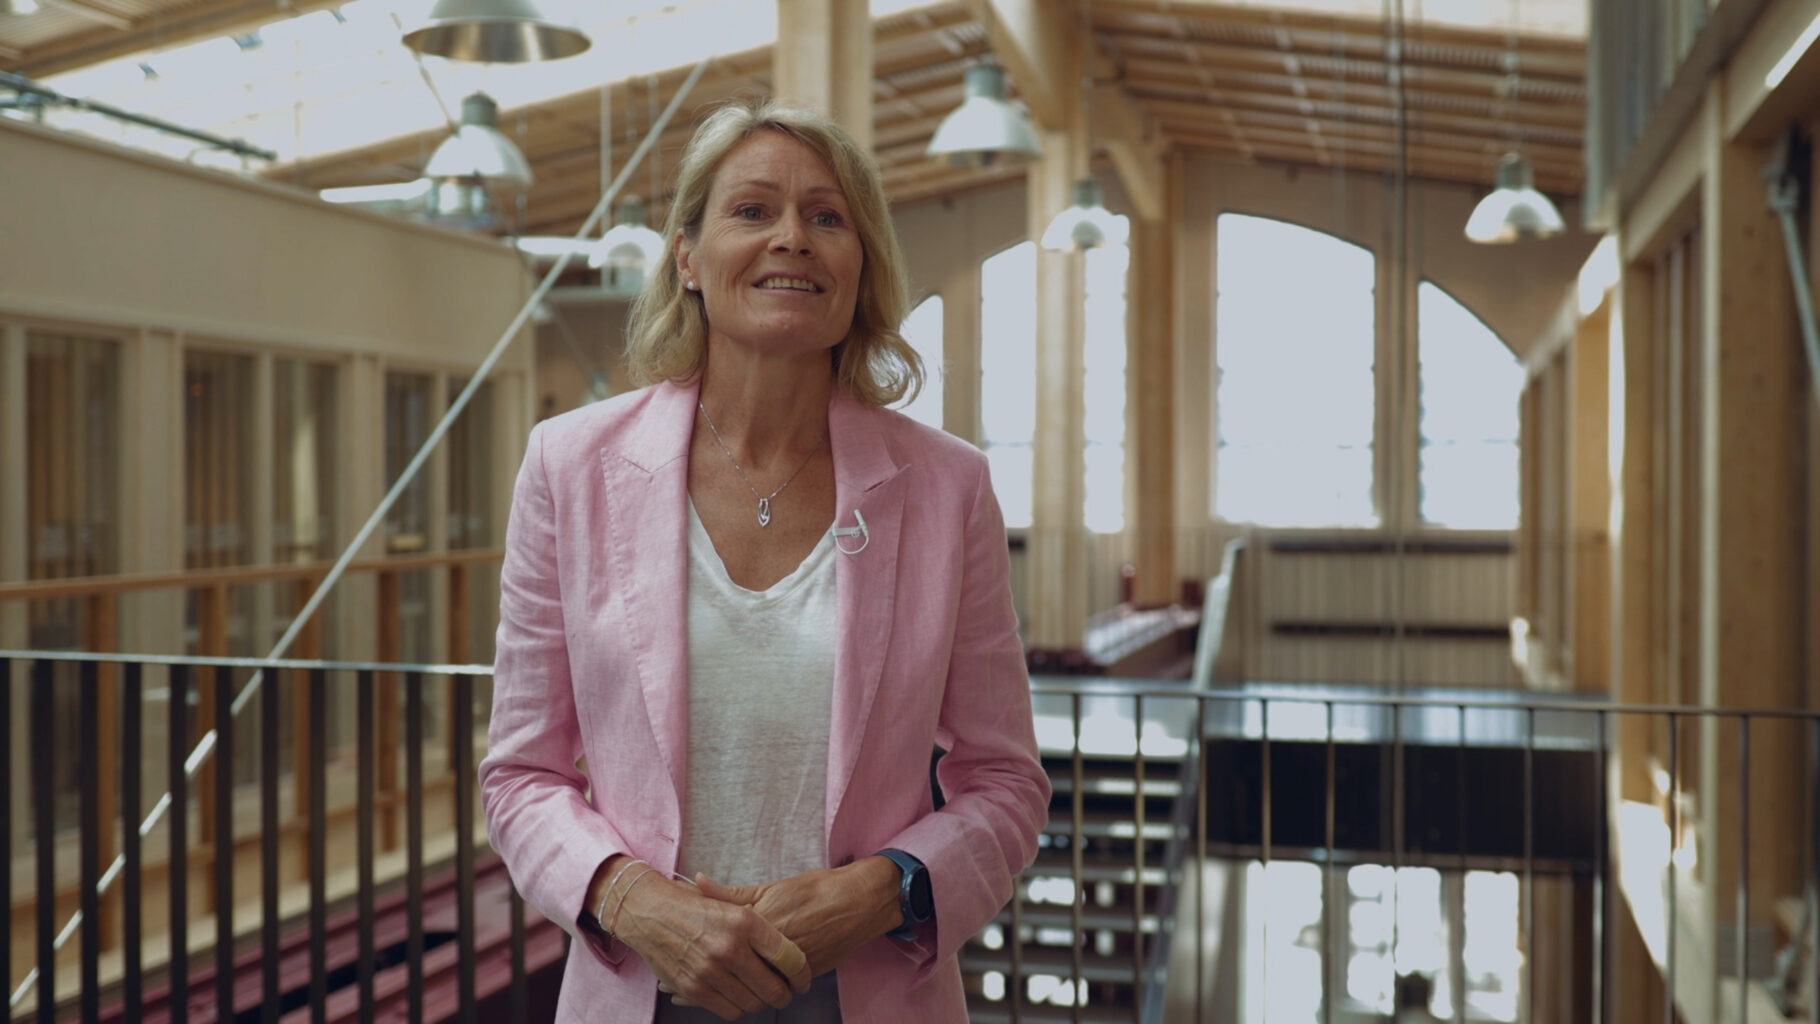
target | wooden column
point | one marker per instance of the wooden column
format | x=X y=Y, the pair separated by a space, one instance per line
x=961 y=351
x=823 y=60
x=1057 y=549
x=1195 y=384
x=1589 y=497
x=1751 y=585
x=1151 y=415
x=1632 y=419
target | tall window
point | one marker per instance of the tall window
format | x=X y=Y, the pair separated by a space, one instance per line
x=218 y=454
x=470 y=474
x=1008 y=376
x=923 y=330
x=1296 y=391
x=303 y=477
x=1105 y=388
x=1387 y=922
x=1471 y=384
x=407 y=426
x=72 y=424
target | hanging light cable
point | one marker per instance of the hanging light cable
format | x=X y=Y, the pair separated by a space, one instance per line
x=985 y=130
x=1514 y=210
x=629 y=249
x=1087 y=224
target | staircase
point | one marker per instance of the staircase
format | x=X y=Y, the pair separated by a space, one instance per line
x=1119 y=847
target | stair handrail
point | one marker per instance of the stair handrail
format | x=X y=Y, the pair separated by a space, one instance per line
x=1154 y=985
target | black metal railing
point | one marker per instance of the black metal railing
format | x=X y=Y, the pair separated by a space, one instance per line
x=1456 y=782
x=1155 y=784
x=350 y=955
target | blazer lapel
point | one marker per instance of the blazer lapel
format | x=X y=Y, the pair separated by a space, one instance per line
x=646 y=474
x=867 y=483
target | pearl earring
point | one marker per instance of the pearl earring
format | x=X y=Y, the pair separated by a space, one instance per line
x=689 y=285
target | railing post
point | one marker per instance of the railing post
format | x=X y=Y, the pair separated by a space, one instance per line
x=391 y=647
x=458 y=648
x=308 y=646
x=212 y=631
x=102 y=633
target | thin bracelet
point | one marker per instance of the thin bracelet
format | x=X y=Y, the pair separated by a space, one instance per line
x=633 y=884
x=600 y=911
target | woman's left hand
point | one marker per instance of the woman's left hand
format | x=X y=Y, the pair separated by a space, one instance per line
x=828 y=913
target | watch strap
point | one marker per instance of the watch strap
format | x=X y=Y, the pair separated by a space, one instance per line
x=912 y=867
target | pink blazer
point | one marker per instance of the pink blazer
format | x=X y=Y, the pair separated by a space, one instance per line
x=592 y=662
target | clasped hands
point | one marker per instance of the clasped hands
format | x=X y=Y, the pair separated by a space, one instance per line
x=733 y=950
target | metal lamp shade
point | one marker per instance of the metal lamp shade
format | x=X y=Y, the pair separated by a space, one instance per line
x=1515 y=210
x=985 y=130
x=477 y=150
x=494 y=32
x=629 y=244
x=1087 y=224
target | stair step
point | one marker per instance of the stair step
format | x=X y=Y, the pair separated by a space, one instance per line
x=1095 y=918
x=1049 y=960
x=1059 y=864
x=1105 y=785
x=1108 y=825
x=985 y=1011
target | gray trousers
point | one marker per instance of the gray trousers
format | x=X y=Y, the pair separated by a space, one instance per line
x=820 y=1005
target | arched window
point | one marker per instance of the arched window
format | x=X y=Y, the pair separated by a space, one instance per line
x=1008 y=376
x=1471 y=384
x=923 y=330
x=1296 y=315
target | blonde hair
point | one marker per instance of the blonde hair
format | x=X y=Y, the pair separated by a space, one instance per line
x=667 y=333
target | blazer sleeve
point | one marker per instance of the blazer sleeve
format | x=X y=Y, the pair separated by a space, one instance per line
x=996 y=791
x=550 y=836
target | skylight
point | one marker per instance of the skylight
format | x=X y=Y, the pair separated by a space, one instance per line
x=339 y=79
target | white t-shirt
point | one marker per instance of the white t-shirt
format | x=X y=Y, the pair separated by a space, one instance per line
x=761 y=681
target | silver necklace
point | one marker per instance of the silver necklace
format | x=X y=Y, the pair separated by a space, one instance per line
x=764 y=501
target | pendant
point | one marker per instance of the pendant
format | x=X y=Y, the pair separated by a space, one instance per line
x=764 y=511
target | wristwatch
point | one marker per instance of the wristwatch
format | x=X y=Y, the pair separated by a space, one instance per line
x=915 y=896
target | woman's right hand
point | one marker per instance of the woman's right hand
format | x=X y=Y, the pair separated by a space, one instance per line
x=712 y=954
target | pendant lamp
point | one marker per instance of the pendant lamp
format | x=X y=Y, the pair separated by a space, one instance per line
x=470 y=163
x=1514 y=210
x=18 y=6
x=629 y=245
x=1087 y=224
x=494 y=32
x=479 y=150
x=985 y=130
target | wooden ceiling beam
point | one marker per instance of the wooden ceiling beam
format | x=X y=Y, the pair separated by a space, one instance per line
x=1217 y=12
x=1224 y=59
x=168 y=27
x=1344 y=89
x=1492 y=138
x=1191 y=94
x=1037 y=46
x=1325 y=43
x=1422 y=163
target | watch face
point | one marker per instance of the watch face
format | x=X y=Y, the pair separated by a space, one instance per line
x=922 y=897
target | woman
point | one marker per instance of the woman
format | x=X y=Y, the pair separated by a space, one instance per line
x=752 y=601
